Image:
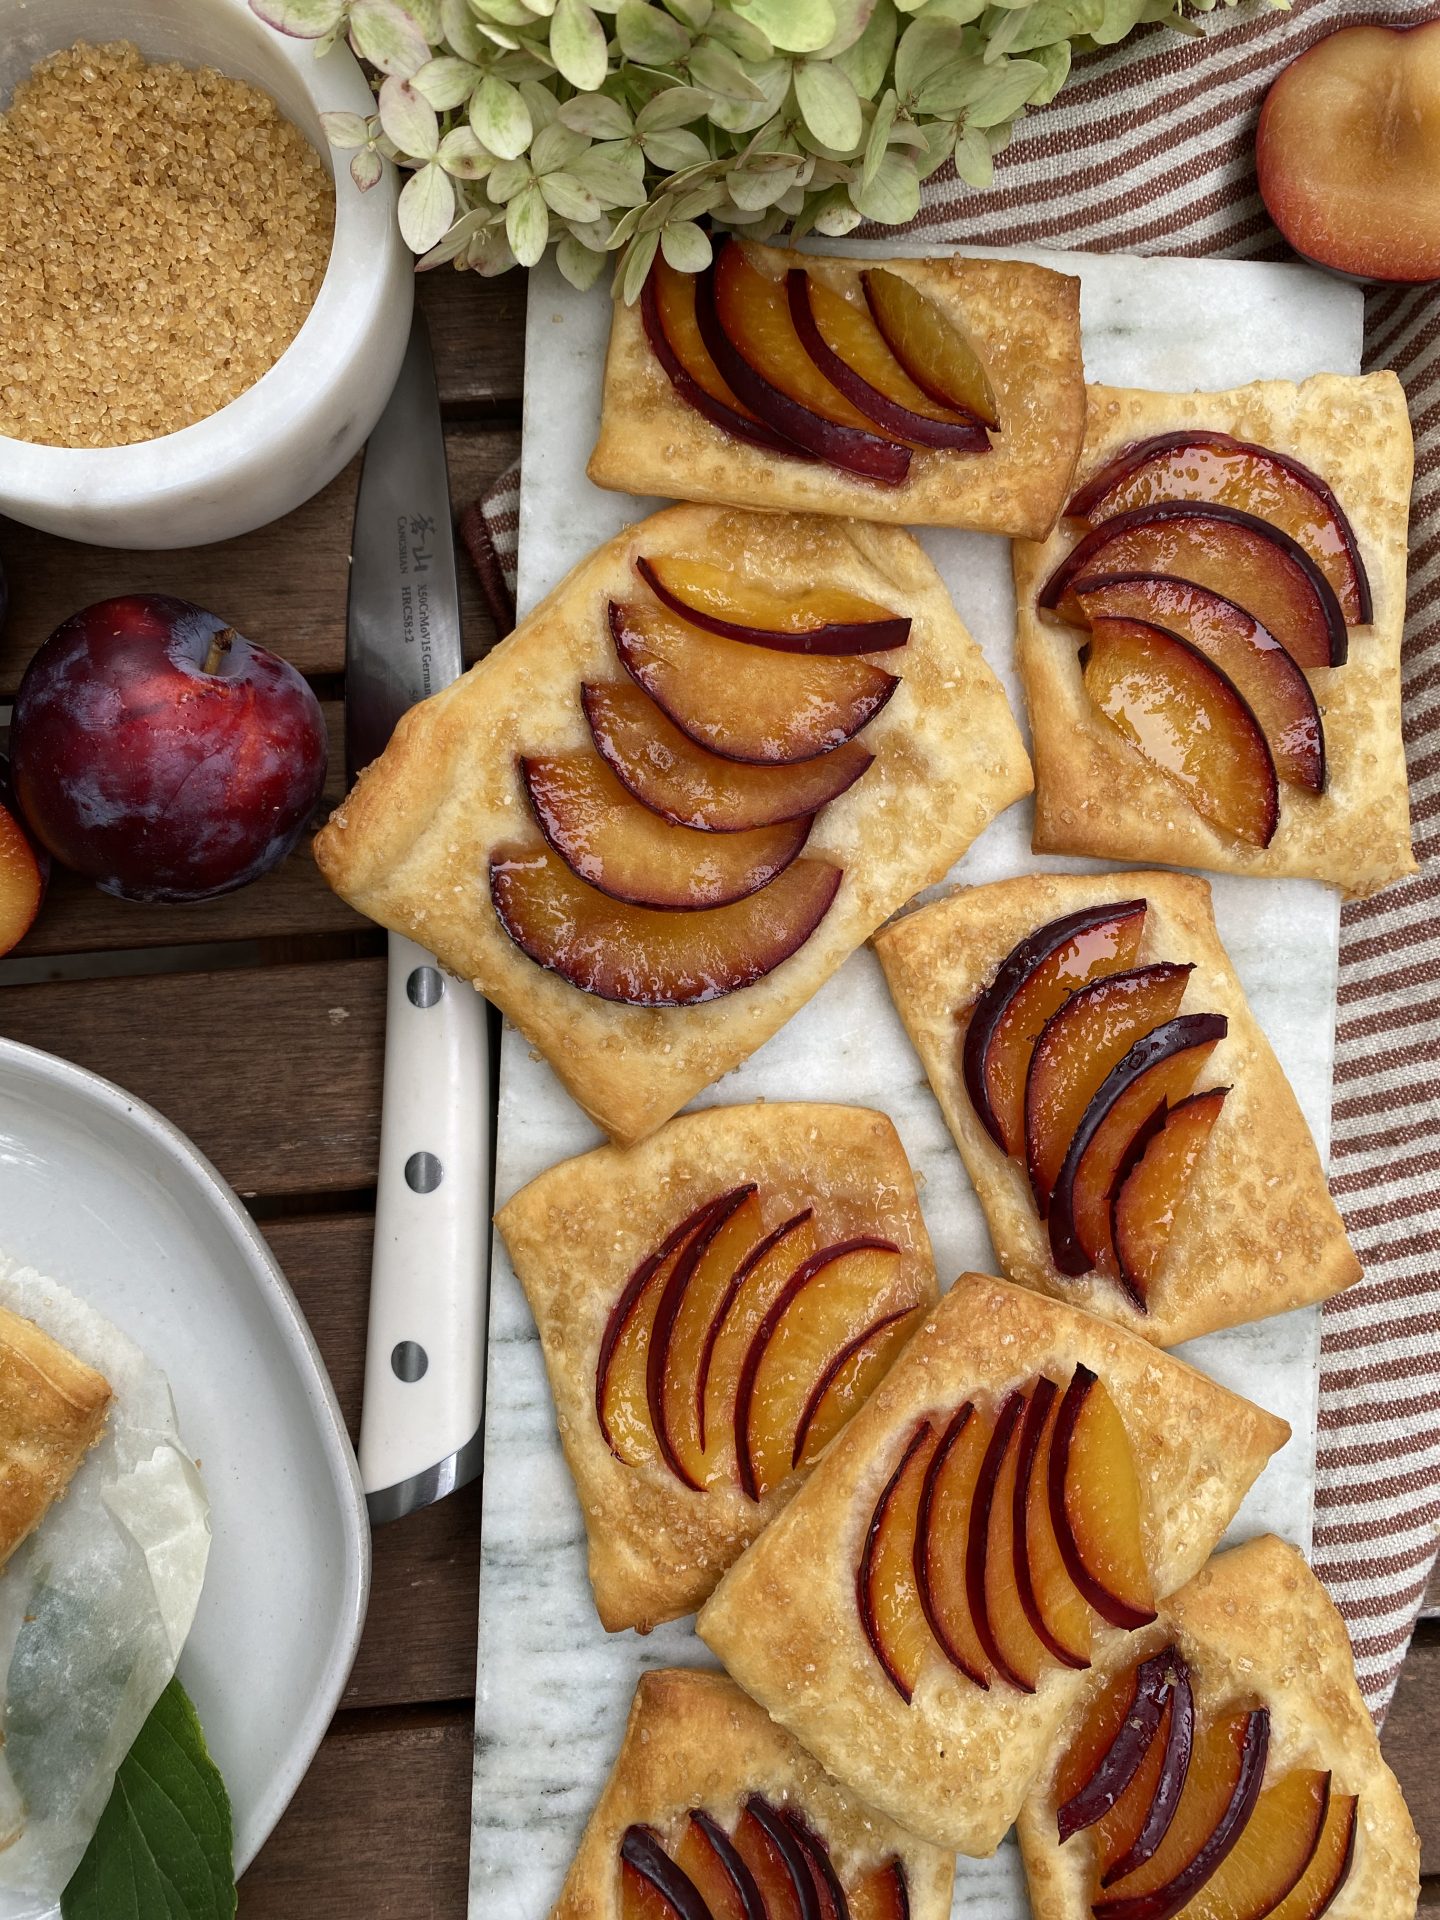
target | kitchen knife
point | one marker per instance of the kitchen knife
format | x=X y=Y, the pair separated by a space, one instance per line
x=420 y=1422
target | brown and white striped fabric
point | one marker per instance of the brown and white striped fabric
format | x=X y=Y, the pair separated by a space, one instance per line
x=1149 y=149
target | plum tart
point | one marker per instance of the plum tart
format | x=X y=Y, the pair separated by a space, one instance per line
x=1133 y=1140
x=1224 y=1768
x=1210 y=640
x=1010 y=1505
x=713 y=1305
x=651 y=823
x=712 y=1812
x=944 y=392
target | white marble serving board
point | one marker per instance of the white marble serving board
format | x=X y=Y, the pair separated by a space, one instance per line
x=553 y=1688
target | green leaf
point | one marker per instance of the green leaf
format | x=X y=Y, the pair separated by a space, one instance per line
x=851 y=19
x=893 y=196
x=302 y=19
x=1056 y=61
x=650 y=36
x=792 y=26
x=164 y=1845
x=387 y=37
x=540 y=102
x=577 y=45
x=506 y=179
x=835 y=214
x=639 y=257
x=613 y=183
x=426 y=15
x=829 y=105
x=427 y=206
x=410 y=121
x=461 y=30
x=753 y=189
x=686 y=247
x=1009 y=85
x=527 y=225
x=597 y=116
x=500 y=117
x=879 y=138
x=744 y=116
x=926 y=48
x=581 y=265
x=866 y=63
x=972 y=158
x=672 y=107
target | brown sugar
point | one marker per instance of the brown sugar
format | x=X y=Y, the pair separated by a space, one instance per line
x=163 y=234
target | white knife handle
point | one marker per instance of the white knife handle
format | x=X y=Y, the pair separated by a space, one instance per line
x=429 y=1277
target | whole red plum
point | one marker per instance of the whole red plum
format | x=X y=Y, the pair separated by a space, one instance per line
x=161 y=754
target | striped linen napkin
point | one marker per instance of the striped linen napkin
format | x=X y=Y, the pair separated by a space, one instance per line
x=1149 y=149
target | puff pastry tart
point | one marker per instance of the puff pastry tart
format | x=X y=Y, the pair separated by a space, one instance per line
x=1224 y=1768
x=1134 y=1141
x=942 y=392
x=713 y=1305
x=1008 y=1508
x=713 y=1812
x=657 y=818
x=52 y=1411
x=1210 y=640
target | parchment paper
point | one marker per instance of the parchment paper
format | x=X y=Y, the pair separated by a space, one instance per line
x=94 y=1607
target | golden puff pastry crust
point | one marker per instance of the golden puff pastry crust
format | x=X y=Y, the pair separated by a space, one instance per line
x=52 y=1411
x=409 y=847
x=575 y=1235
x=1023 y=320
x=1095 y=795
x=694 y=1739
x=1258 y=1232
x=1257 y=1628
x=955 y=1764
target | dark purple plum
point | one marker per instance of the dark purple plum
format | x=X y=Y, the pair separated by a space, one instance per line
x=162 y=755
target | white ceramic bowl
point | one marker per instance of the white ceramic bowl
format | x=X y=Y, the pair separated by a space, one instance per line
x=290 y=433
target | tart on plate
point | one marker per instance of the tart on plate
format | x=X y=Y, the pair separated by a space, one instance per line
x=1210 y=638
x=651 y=823
x=52 y=1411
x=1009 y=1506
x=934 y=392
x=713 y=1306
x=713 y=1809
x=1132 y=1138
x=1224 y=1767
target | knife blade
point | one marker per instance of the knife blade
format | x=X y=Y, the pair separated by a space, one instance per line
x=421 y=1416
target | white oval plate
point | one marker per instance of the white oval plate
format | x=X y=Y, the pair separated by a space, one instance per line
x=102 y=1194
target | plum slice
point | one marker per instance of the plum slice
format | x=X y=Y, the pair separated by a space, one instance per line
x=886 y=1592
x=686 y=1307
x=667 y=312
x=1345 y=152
x=647 y=959
x=1054 y=1606
x=622 y=1405
x=1223 y=548
x=829 y=1894
x=765 y=709
x=1329 y=1864
x=745 y=323
x=1274 y=1848
x=847 y=1382
x=766 y=1842
x=1222 y=1785
x=1095 y=1504
x=1150 y=1188
x=1078 y=1046
x=810 y=1321
x=881 y=1894
x=1033 y=982
x=742 y=1308
x=1194 y=465
x=931 y=349
x=842 y=339
x=608 y=839
x=817 y=620
x=1262 y=672
x=945 y=1526
x=707 y=1855
x=1010 y=1643
x=1158 y=1071
x=1133 y=1830
x=652 y=1886
x=1121 y=1731
x=683 y=783
x=1188 y=720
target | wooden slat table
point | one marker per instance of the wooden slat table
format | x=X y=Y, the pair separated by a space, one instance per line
x=254 y=1022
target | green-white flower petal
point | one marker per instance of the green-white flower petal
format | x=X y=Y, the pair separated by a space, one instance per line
x=597 y=116
x=972 y=158
x=694 y=14
x=366 y=169
x=1009 y=86
x=639 y=257
x=829 y=104
x=649 y=35
x=685 y=246
x=612 y=182
x=672 y=107
x=719 y=72
x=743 y=39
x=577 y=45
x=556 y=146
x=792 y=26
x=447 y=81
x=302 y=19
x=387 y=37
x=866 y=63
x=581 y=265
x=427 y=206
x=462 y=156
x=409 y=120
x=893 y=195
x=527 y=225
x=500 y=117
x=676 y=149
x=565 y=195
x=507 y=178
x=345 y=130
